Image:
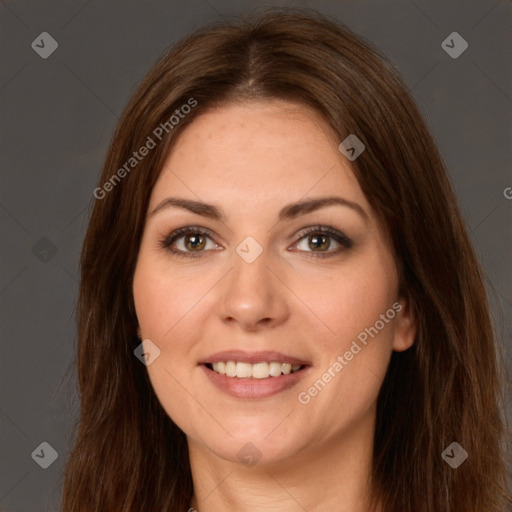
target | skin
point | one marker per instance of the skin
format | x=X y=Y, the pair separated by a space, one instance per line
x=251 y=160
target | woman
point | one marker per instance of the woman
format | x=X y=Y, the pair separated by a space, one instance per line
x=280 y=307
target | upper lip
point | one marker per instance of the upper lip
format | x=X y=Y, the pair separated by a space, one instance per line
x=252 y=357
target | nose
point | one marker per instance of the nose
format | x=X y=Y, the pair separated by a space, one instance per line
x=254 y=294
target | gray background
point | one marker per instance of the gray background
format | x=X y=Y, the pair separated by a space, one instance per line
x=58 y=115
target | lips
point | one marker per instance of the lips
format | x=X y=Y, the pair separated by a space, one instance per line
x=253 y=374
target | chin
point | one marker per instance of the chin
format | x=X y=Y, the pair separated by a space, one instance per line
x=249 y=453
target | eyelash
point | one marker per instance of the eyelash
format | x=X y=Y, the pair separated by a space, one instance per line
x=339 y=237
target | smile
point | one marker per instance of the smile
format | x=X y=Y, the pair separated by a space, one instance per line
x=254 y=375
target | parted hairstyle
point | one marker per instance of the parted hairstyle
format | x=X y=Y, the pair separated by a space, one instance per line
x=127 y=454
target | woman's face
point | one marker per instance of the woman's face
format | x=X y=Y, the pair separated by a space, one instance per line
x=259 y=290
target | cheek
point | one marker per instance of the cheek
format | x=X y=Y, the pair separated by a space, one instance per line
x=352 y=306
x=163 y=298
x=351 y=301
x=162 y=302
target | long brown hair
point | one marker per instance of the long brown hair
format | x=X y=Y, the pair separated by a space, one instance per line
x=128 y=455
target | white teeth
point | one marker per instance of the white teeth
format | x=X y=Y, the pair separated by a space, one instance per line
x=275 y=369
x=243 y=370
x=219 y=368
x=231 y=369
x=261 y=370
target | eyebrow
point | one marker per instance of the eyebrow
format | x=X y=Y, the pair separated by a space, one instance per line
x=288 y=212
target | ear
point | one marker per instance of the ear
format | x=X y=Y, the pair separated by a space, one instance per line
x=405 y=325
x=138 y=333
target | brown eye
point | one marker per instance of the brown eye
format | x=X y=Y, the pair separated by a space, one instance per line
x=320 y=242
x=189 y=242
x=195 y=242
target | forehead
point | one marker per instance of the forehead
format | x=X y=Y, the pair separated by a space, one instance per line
x=248 y=154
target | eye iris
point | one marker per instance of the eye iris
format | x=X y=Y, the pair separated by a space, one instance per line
x=195 y=242
x=319 y=242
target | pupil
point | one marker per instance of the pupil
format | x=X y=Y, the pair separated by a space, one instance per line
x=323 y=241
x=194 y=241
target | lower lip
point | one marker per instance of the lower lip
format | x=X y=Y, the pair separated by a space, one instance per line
x=253 y=388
